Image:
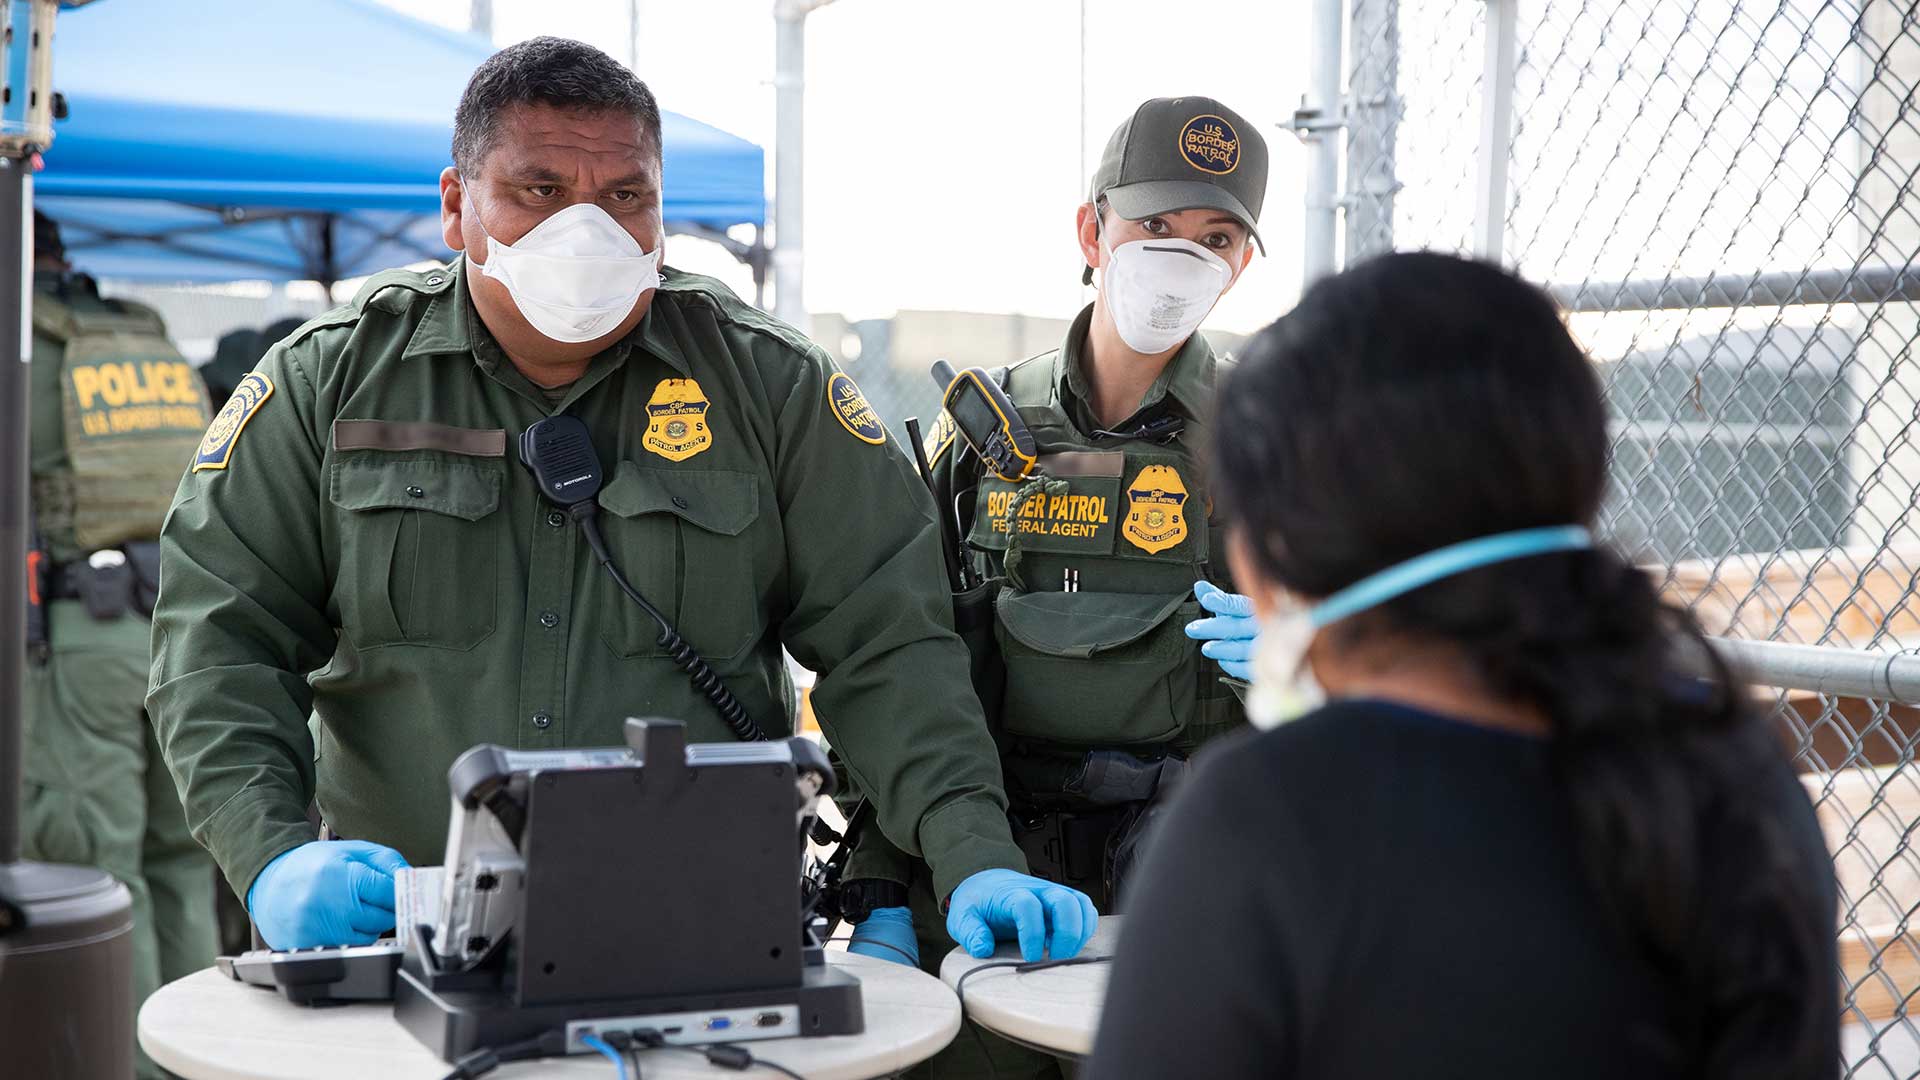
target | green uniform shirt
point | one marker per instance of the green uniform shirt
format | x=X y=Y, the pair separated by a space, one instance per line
x=358 y=539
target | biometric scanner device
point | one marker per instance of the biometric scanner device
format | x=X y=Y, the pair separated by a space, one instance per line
x=650 y=888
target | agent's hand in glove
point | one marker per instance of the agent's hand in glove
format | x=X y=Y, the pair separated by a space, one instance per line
x=1000 y=905
x=887 y=934
x=327 y=892
x=1230 y=635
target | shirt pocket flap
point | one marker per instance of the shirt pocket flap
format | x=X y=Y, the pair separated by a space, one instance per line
x=721 y=501
x=383 y=481
x=1078 y=624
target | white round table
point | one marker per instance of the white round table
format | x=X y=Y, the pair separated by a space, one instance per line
x=1055 y=1009
x=209 y=1027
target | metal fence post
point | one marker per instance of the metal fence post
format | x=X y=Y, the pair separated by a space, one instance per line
x=1496 y=130
x=1318 y=124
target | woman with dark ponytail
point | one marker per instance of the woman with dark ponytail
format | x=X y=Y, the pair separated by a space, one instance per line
x=1521 y=837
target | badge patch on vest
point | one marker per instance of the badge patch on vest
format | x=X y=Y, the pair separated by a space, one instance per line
x=147 y=397
x=216 y=447
x=677 y=420
x=1156 y=510
x=941 y=437
x=851 y=409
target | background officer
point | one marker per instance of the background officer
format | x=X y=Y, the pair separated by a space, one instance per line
x=116 y=411
x=1099 y=565
x=353 y=540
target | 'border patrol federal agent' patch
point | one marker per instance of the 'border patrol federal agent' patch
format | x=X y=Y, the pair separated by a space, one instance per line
x=216 y=447
x=677 y=425
x=1156 y=510
x=851 y=409
x=1210 y=144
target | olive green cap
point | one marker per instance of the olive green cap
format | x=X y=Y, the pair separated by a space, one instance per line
x=1184 y=153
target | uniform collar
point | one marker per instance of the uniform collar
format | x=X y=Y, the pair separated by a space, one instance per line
x=1188 y=378
x=453 y=325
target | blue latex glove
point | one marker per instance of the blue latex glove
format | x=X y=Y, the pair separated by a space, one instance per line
x=887 y=934
x=1047 y=919
x=327 y=892
x=1229 y=637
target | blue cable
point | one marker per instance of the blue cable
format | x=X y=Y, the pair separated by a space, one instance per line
x=595 y=1042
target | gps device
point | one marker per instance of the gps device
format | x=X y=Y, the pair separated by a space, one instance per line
x=987 y=420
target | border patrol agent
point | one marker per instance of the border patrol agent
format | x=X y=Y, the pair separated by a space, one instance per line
x=116 y=413
x=353 y=541
x=1096 y=565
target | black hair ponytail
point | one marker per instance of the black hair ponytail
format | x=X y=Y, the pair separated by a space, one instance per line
x=1421 y=400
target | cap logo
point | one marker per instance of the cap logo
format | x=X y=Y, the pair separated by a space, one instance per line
x=1210 y=144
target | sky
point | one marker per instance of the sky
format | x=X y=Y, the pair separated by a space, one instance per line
x=945 y=153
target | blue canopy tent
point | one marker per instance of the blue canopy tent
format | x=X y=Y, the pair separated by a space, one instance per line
x=214 y=140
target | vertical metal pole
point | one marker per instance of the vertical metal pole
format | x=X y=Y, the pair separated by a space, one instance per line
x=1496 y=129
x=1373 y=124
x=789 y=82
x=16 y=279
x=480 y=18
x=1318 y=122
x=633 y=34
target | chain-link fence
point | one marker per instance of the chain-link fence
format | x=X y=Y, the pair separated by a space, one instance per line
x=1721 y=193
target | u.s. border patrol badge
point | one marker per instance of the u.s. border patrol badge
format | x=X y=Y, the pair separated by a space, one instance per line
x=1210 y=144
x=216 y=446
x=851 y=409
x=677 y=425
x=1156 y=510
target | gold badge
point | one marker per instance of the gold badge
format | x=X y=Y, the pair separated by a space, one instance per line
x=1156 y=510
x=677 y=420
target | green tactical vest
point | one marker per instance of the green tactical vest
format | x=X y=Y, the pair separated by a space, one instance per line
x=1100 y=548
x=131 y=411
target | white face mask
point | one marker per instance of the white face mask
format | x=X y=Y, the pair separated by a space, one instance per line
x=1284 y=687
x=1158 y=290
x=1283 y=684
x=575 y=276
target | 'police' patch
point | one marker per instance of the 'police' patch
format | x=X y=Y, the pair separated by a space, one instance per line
x=1210 y=144
x=677 y=425
x=941 y=437
x=851 y=409
x=1156 y=510
x=216 y=447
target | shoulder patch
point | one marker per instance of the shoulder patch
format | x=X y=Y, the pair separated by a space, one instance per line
x=216 y=447
x=941 y=437
x=850 y=407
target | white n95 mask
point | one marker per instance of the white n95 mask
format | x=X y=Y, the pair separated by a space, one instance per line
x=1283 y=684
x=1159 y=290
x=575 y=276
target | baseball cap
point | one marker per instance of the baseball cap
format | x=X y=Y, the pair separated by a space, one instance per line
x=1184 y=153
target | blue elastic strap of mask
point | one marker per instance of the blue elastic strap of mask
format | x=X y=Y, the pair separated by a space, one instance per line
x=1402 y=578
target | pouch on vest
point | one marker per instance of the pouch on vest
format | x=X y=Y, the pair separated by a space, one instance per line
x=1099 y=669
x=973 y=620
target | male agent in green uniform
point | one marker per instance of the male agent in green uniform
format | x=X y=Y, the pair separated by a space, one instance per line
x=354 y=538
x=116 y=413
x=1103 y=557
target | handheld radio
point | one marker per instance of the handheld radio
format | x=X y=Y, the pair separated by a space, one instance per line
x=987 y=420
x=559 y=453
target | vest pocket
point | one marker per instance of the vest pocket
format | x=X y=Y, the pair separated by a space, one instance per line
x=416 y=565
x=682 y=537
x=1097 y=669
